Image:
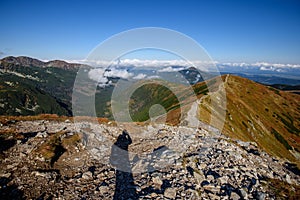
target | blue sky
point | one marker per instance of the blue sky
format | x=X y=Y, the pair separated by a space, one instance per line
x=230 y=31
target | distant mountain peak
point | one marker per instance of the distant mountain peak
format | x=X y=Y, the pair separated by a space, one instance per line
x=22 y=60
x=29 y=62
x=192 y=69
x=62 y=64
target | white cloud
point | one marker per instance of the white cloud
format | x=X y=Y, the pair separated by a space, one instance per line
x=98 y=75
x=162 y=64
x=153 y=77
x=118 y=73
x=272 y=68
x=101 y=75
x=172 y=66
x=203 y=65
x=140 y=76
x=171 y=69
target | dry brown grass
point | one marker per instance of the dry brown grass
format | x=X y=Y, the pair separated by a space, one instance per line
x=50 y=117
x=254 y=110
x=47 y=149
x=5 y=119
x=283 y=190
x=71 y=141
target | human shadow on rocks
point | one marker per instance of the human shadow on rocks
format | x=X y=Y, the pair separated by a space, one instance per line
x=119 y=158
x=10 y=191
x=6 y=144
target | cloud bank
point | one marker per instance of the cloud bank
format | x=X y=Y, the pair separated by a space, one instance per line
x=119 y=69
x=168 y=65
x=137 y=63
x=171 y=69
x=264 y=66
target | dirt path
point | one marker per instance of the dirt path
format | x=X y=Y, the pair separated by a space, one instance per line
x=192 y=115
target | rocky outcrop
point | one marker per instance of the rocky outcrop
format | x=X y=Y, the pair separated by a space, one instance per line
x=165 y=162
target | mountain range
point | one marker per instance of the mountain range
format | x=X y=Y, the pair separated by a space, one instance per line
x=254 y=112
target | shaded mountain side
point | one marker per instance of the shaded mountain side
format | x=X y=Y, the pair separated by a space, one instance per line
x=290 y=88
x=46 y=88
x=286 y=87
x=149 y=95
x=23 y=99
x=192 y=75
x=262 y=114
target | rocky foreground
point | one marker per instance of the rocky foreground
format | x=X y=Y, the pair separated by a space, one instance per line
x=45 y=159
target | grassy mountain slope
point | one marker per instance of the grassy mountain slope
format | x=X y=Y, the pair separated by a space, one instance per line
x=148 y=95
x=174 y=100
x=23 y=99
x=33 y=90
x=262 y=114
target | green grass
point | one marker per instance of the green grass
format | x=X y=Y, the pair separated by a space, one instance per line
x=148 y=95
x=52 y=92
x=289 y=124
x=281 y=139
x=274 y=90
x=200 y=89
